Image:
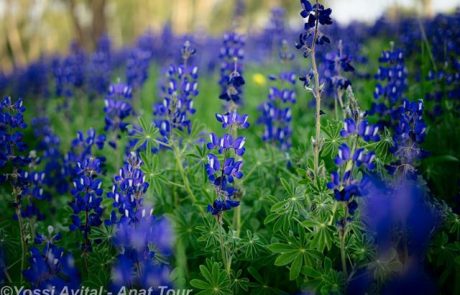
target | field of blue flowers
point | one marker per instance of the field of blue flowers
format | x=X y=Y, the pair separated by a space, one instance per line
x=321 y=160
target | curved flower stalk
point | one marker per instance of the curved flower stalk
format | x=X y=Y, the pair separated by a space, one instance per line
x=51 y=266
x=276 y=111
x=315 y=16
x=140 y=245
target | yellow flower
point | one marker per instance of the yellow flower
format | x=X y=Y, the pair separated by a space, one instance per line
x=259 y=79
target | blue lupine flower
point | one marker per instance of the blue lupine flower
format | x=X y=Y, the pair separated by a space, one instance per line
x=49 y=145
x=226 y=143
x=117 y=109
x=314 y=16
x=343 y=182
x=135 y=265
x=409 y=133
x=365 y=130
x=137 y=67
x=276 y=113
x=182 y=87
x=339 y=63
x=343 y=155
x=231 y=69
x=233 y=120
x=232 y=89
x=51 y=266
x=11 y=119
x=392 y=83
x=128 y=190
x=99 y=66
x=87 y=187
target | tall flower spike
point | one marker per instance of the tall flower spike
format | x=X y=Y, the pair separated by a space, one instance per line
x=276 y=113
x=231 y=68
x=87 y=188
x=117 y=109
x=128 y=190
x=182 y=87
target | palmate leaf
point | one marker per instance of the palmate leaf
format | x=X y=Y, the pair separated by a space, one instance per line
x=215 y=281
x=332 y=138
x=252 y=245
x=282 y=213
x=324 y=280
x=321 y=233
x=262 y=285
x=295 y=253
x=209 y=234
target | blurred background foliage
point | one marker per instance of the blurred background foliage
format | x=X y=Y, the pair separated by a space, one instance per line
x=31 y=28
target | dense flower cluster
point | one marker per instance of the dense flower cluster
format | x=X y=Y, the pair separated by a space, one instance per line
x=349 y=159
x=51 y=266
x=136 y=265
x=128 y=190
x=69 y=72
x=99 y=67
x=17 y=169
x=315 y=16
x=137 y=68
x=392 y=83
x=182 y=87
x=231 y=67
x=409 y=133
x=87 y=187
x=222 y=171
x=117 y=109
x=49 y=145
x=338 y=63
x=276 y=112
x=11 y=121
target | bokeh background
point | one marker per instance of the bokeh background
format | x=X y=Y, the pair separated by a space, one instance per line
x=32 y=28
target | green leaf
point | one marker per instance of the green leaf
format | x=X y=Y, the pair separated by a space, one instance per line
x=296 y=266
x=287 y=258
x=199 y=284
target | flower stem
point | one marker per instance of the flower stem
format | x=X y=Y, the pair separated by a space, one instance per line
x=342 y=234
x=225 y=257
x=22 y=236
x=180 y=167
x=317 y=94
x=181 y=262
x=237 y=220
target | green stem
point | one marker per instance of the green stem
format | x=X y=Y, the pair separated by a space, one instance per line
x=225 y=257
x=237 y=220
x=317 y=94
x=181 y=263
x=22 y=237
x=180 y=166
x=342 y=252
x=343 y=233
